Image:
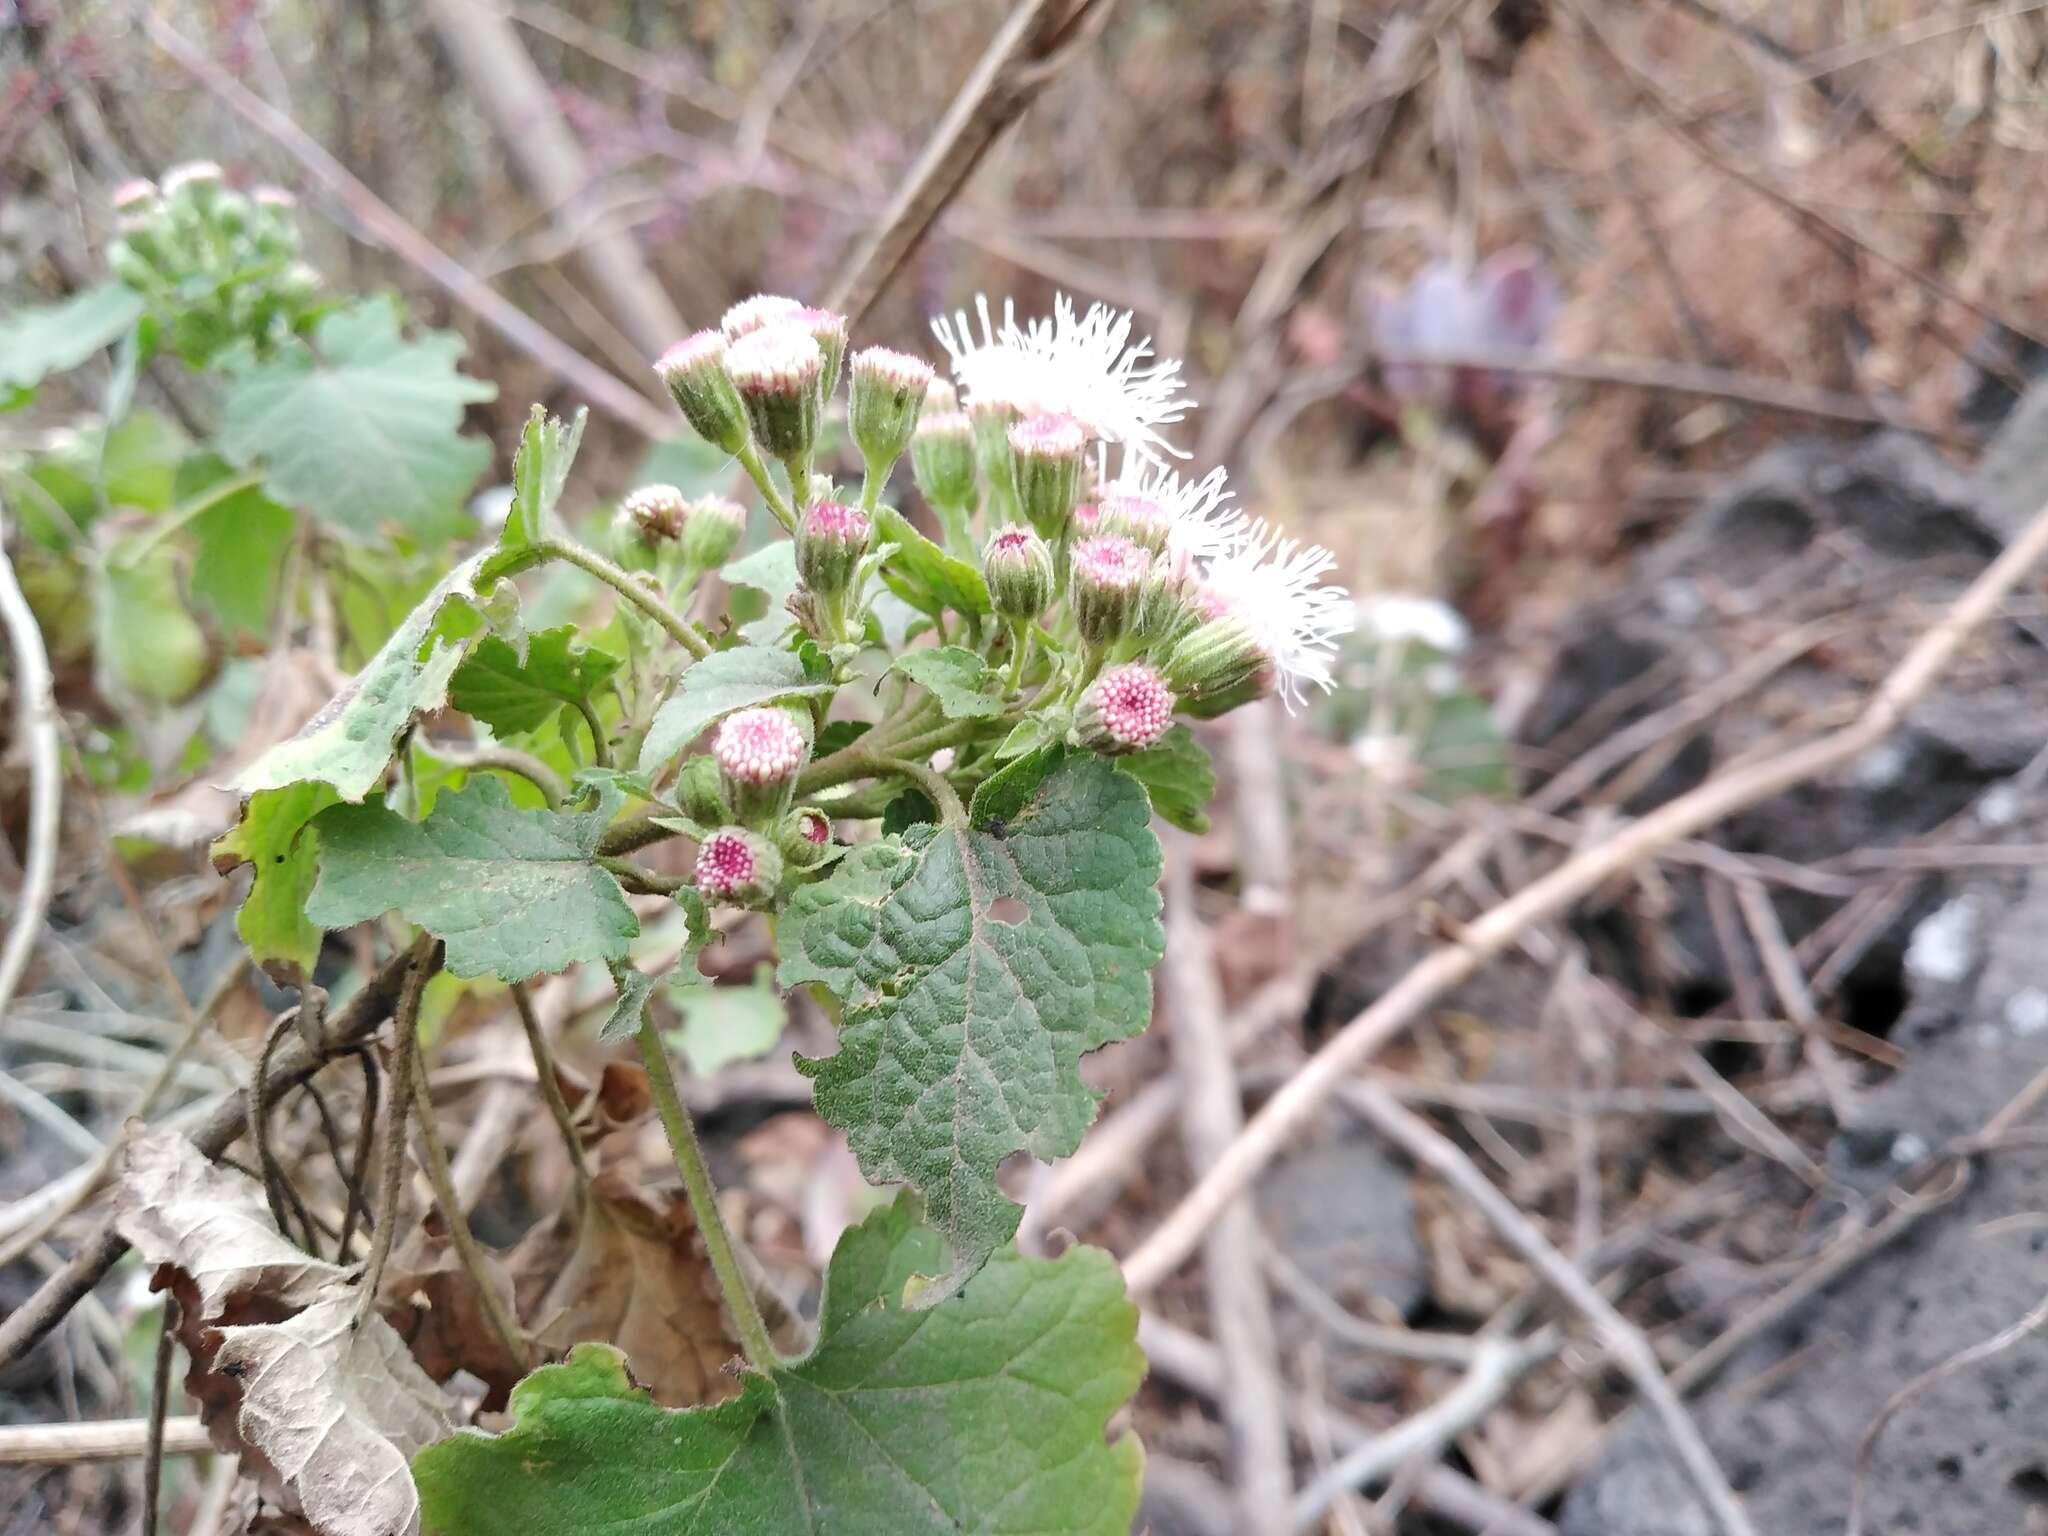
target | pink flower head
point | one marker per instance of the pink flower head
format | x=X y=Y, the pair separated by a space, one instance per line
x=760 y=746
x=193 y=173
x=775 y=359
x=1133 y=705
x=691 y=353
x=814 y=827
x=948 y=424
x=725 y=864
x=837 y=521
x=1011 y=541
x=657 y=511
x=751 y=314
x=1087 y=517
x=1110 y=561
x=273 y=197
x=134 y=194
x=898 y=370
x=1139 y=516
x=1048 y=437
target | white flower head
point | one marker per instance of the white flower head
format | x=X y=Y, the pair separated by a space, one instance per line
x=1403 y=616
x=1070 y=364
x=1200 y=524
x=1275 y=585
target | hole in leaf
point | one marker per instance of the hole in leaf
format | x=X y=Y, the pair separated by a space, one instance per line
x=1007 y=909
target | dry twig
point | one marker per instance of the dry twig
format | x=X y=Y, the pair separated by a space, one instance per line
x=37 y=724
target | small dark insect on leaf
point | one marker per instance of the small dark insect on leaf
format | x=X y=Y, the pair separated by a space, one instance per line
x=999 y=827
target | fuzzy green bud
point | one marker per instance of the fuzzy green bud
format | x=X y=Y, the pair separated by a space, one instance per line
x=1048 y=453
x=883 y=404
x=992 y=420
x=829 y=544
x=777 y=371
x=699 y=791
x=712 y=526
x=942 y=457
x=1219 y=659
x=695 y=373
x=1018 y=566
x=656 y=513
x=1105 y=581
x=828 y=330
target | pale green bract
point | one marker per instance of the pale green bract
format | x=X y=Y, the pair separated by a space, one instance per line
x=984 y=1414
x=977 y=965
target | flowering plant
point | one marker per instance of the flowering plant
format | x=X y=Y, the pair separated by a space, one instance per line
x=934 y=762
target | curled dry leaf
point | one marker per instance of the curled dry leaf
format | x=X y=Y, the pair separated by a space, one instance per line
x=324 y=1414
x=622 y=1098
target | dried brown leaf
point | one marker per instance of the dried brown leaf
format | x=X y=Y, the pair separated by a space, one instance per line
x=325 y=1414
x=630 y=1269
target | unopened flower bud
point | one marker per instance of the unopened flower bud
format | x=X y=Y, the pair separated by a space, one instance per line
x=942 y=457
x=1105 y=578
x=297 y=285
x=751 y=314
x=829 y=543
x=230 y=213
x=828 y=330
x=940 y=398
x=1126 y=709
x=130 y=266
x=700 y=791
x=1217 y=659
x=776 y=370
x=135 y=198
x=695 y=373
x=759 y=753
x=806 y=835
x=712 y=526
x=883 y=405
x=273 y=226
x=1018 y=565
x=738 y=868
x=992 y=420
x=195 y=183
x=656 y=513
x=1048 y=452
x=1138 y=518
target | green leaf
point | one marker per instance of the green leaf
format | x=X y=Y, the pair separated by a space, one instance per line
x=1179 y=777
x=146 y=643
x=350 y=742
x=514 y=893
x=721 y=683
x=539 y=470
x=241 y=543
x=924 y=575
x=977 y=965
x=771 y=571
x=495 y=686
x=987 y=1414
x=961 y=681
x=273 y=836
x=47 y=339
x=364 y=428
x=722 y=1025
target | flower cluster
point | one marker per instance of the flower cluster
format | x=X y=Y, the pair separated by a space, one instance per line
x=1105 y=590
x=218 y=266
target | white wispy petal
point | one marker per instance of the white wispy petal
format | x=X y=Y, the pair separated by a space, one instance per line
x=1070 y=364
x=1275 y=584
x=1203 y=525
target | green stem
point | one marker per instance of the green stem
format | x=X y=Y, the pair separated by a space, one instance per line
x=590 y=561
x=641 y=882
x=1020 y=649
x=703 y=1196
x=799 y=471
x=757 y=471
x=179 y=516
x=600 y=749
x=505 y=760
x=933 y=783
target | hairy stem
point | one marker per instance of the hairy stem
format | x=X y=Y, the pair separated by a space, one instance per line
x=757 y=471
x=505 y=760
x=550 y=1084
x=941 y=794
x=703 y=1196
x=600 y=748
x=641 y=882
x=405 y=1024
x=435 y=1160
x=591 y=562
